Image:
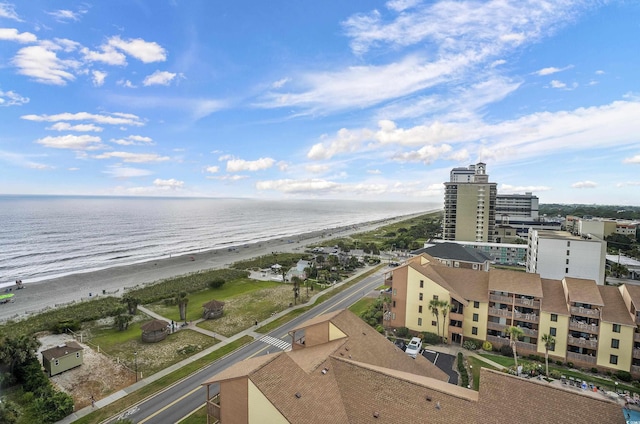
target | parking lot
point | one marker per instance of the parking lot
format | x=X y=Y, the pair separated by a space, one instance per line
x=444 y=362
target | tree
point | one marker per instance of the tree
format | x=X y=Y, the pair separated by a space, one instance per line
x=182 y=301
x=514 y=333
x=16 y=351
x=548 y=341
x=296 y=288
x=434 y=307
x=445 y=307
x=122 y=321
x=216 y=283
x=131 y=302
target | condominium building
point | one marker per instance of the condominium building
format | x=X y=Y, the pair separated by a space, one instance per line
x=593 y=325
x=559 y=254
x=469 y=205
x=500 y=253
x=516 y=208
x=346 y=372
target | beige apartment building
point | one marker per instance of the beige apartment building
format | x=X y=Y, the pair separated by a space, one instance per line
x=593 y=325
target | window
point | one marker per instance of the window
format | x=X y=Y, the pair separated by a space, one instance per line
x=456 y=264
x=393 y=315
x=568 y=244
x=394 y=304
x=434 y=323
x=421 y=283
x=395 y=292
x=613 y=359
x=616 y=328
x=77 y=354
x=554 y=317
x=420 y=296
x=552 y=347
x=475 y=317
x=420 y=309
x=567 y=253
x=615 y=343
x=435 y=297
x=566 y=270
x=475 y=266
x=552 y=331
x=56 y=362
x=419 y=322
x=476 y=304
x=474 y=331
x=567 y=261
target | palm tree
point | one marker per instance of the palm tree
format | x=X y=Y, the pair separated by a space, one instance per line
x=445 y=308
x=434 y=307
x=182 y=300
x=296 y=288
x=514 y=333
x=132 y=303
x=122 y=321
x=548 y=341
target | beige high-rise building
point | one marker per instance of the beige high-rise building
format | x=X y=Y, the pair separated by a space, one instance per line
x=469 y=205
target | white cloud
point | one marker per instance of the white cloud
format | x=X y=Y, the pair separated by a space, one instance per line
x=11 y=98
x=628 y=183
x=558 y=84
x=317 y=169
x=298 y=186
x=126 y=83
x=427 y=154
x=122 y=172
x=74 y=142
x=497 y=63
x=171 y=184
x=235 y=177
x=213 y=169
x=600 y=72
x=12 y=34
x=132 y=140
x=114 y=118
x=144 y=51
x=133 y=157
x=584 y=184
x=238 y=165
x=8 y=11
x=159 y=78
x=65 y=15
x=280 y=83
x=634 y=159
x=98 y=77
x=43 y=65
x=551 y=70
x=65 y=126
x=400 y=5
x=108 y=55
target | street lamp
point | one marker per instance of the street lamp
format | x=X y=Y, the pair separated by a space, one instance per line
x=135 y=360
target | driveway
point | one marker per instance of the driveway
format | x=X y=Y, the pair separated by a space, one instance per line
x=444 y=362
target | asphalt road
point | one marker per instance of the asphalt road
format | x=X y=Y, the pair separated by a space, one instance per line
x=185 y=397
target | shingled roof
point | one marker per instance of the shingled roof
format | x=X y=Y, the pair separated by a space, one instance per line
x=61 y=350
x=455 y=252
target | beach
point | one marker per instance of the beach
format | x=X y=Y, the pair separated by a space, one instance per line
x=39 y=296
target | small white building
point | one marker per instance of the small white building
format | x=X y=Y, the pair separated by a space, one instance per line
x=559 y=254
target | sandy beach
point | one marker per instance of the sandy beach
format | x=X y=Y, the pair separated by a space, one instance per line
x=38 y=296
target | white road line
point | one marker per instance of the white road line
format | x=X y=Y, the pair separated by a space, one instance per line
x=279 y=343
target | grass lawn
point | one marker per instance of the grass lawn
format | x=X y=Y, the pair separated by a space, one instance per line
x=196 y=300
x=198 y=417
x=362 y=305
x=475 y=371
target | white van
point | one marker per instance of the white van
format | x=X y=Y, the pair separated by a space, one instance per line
x=414 y=347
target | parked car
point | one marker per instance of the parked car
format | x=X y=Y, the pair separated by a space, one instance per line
x=414 y=347
x=400 y=344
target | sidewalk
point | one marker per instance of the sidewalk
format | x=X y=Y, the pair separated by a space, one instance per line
x=225 y=341
x=454 y=349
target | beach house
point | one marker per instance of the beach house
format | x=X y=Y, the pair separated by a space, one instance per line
x=62 y=358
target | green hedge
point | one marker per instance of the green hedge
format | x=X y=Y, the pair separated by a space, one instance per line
x=464 y=375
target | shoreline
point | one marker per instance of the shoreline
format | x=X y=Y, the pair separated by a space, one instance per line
x=41 y=295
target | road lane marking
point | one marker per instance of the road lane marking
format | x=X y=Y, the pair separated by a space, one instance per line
x=279 y=343
x=169 y=405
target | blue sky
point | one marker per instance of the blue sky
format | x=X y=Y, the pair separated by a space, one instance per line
x=350 y=100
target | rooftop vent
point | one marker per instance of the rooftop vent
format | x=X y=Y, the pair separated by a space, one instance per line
x=376 y=414
x=428 y=398
x=298 y=395
x=324 y=370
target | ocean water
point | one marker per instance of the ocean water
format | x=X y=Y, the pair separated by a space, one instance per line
x=43 y=237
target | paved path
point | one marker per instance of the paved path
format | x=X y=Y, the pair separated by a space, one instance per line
x=191 y=326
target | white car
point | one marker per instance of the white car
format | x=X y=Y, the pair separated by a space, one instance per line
x=414 y=347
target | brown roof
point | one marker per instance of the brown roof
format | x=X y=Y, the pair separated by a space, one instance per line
x=523 y=283
x=553 y=300
x=213 y=304
x=614 y=309
x=473 y=285
x=154 y=325
x=634 y=294
x=583 y=291
x=61 y=350
x=316 y=320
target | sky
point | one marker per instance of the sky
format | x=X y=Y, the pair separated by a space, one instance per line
x=348 y=100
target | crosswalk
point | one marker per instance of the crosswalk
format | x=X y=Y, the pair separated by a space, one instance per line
x=279 y=343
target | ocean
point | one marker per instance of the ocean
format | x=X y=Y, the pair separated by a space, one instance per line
x=44 y=237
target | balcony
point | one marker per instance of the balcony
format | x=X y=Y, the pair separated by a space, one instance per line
x=636 y=337
x=500 y=312
x=520 y=301
x=213 y=407
x=496 y=326
x=635 y=369
x=578 y=357
x=524 y=346
x=529 y=332
x=636 y=353
x=584 y=327
x=585 y=312
x=456 y=317
x=455 y=330
x=498 y=341
x=526 y=317
x=579 y=341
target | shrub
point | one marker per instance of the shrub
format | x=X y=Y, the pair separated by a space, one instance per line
x=570 y=364
x=623 y=375
x=380 y=329
x=487 y=346
x=216 y=283
x=469 y=345
x=63 y=326
x=506 y=350
x=430 y=338
x=402 y=332
x=594 y=370
x=559 y=363
x=464 y=376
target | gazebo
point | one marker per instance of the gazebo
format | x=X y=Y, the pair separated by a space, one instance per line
x=154 y=331
x=213 y=309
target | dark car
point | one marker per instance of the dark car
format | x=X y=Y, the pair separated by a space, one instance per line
x=400 y=344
